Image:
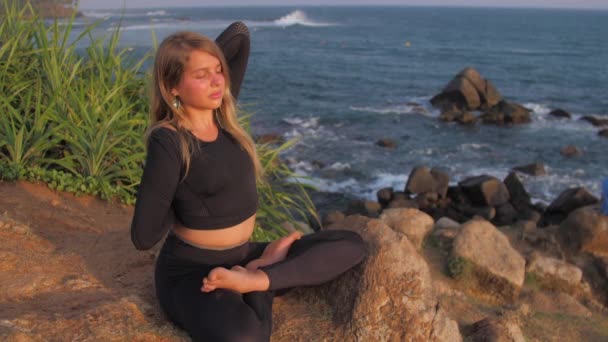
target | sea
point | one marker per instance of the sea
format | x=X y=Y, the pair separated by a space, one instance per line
x=338 y=79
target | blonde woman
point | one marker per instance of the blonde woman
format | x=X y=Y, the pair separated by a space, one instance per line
x=199 y=185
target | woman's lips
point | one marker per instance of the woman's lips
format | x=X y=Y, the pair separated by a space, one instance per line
x=216 y=95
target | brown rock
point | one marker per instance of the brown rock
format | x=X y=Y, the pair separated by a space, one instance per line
x=587 y=230
x=413 y=223
x=603 y=133
x=367 y=208
x=403 y=203
x=570 y=200
x=333 y=217
x=459 y=91
x=570 y=151
x=388 y=143
x=506 y=113
x=554 y=272
x=485 y=190
x=495 y=329
x=595 y=121
x=422 y=179
x=498 y=269
x=393 y=290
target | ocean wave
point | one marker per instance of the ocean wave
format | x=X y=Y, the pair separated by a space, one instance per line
x=156 y=13
x=96 y=14
x=298 y=17
x=409 y=108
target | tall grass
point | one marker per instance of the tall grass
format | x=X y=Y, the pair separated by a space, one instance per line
x=75 y=118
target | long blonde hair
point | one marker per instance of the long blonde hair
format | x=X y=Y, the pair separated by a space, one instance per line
x=169 y=66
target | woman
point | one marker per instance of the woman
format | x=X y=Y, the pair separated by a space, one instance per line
x=199 y=184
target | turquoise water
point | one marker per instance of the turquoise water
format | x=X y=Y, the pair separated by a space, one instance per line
x=340 y=78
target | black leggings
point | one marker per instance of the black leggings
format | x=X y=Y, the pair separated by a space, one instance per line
x=225 y=315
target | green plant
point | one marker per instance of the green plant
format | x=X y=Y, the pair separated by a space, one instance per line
x=74 y=118
x=458 y=267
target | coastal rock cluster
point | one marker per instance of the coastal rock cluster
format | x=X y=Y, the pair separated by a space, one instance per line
x=469 y=92
x=469 y=98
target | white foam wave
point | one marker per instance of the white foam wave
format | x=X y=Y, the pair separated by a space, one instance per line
x=298 y=17
x=96 y=14
x=339 y=166
x=156 y=13
x=303 y=122
x=538 y=108
x=155 y=25
x=409 y=108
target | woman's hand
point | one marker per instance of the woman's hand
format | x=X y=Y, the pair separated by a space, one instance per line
x=275 y=251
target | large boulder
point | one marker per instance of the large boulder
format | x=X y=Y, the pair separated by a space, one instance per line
x=586 y=230
x=520 y=198
x=423 y=179
x=534 y=169
x=495 y=329
x=554 y=273
x=461 y=92
x=414 y=223
x=566 y=202
x=391 y=297
x=485 y=190
x=497 y=269
x=468 y=90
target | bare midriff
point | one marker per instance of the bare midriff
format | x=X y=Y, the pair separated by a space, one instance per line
x=217 y=238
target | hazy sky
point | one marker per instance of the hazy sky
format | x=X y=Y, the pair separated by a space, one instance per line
x=91 y=4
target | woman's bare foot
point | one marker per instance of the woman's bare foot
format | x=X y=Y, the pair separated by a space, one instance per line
x=237 y=279
x=275 y=251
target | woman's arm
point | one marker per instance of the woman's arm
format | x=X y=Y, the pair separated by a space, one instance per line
x=153 y=212
x=234 y=42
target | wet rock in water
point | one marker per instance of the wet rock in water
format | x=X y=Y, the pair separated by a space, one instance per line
x=560 y=113
x=423 y=179
x=459 y=91
x=413 y=223
x=535 y=169
x=467 y=118
x=506 y=113
x=385 y=196
x=495 y=329
x=569 y=200
x=485 y=190
x=390 y=290
x=519 y=196
x=497 y=269
x=586 y=230
x=387 y=143
x=555 y=274
x=570 y=151
x=467 y=91
x=595 y=121
x=603 y=133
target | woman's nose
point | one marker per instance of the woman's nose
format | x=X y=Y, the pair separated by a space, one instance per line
x=217 y=78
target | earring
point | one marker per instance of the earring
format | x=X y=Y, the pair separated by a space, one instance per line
x=218 y=119
x=176 y=102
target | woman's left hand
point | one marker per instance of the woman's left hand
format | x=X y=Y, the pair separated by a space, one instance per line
x=275 y=251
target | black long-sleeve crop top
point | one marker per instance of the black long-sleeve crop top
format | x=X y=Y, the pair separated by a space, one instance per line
x=220 y=188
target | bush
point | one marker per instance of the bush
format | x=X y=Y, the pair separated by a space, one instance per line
x=75 y=120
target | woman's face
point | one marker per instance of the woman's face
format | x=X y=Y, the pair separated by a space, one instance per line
x=202 y=83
